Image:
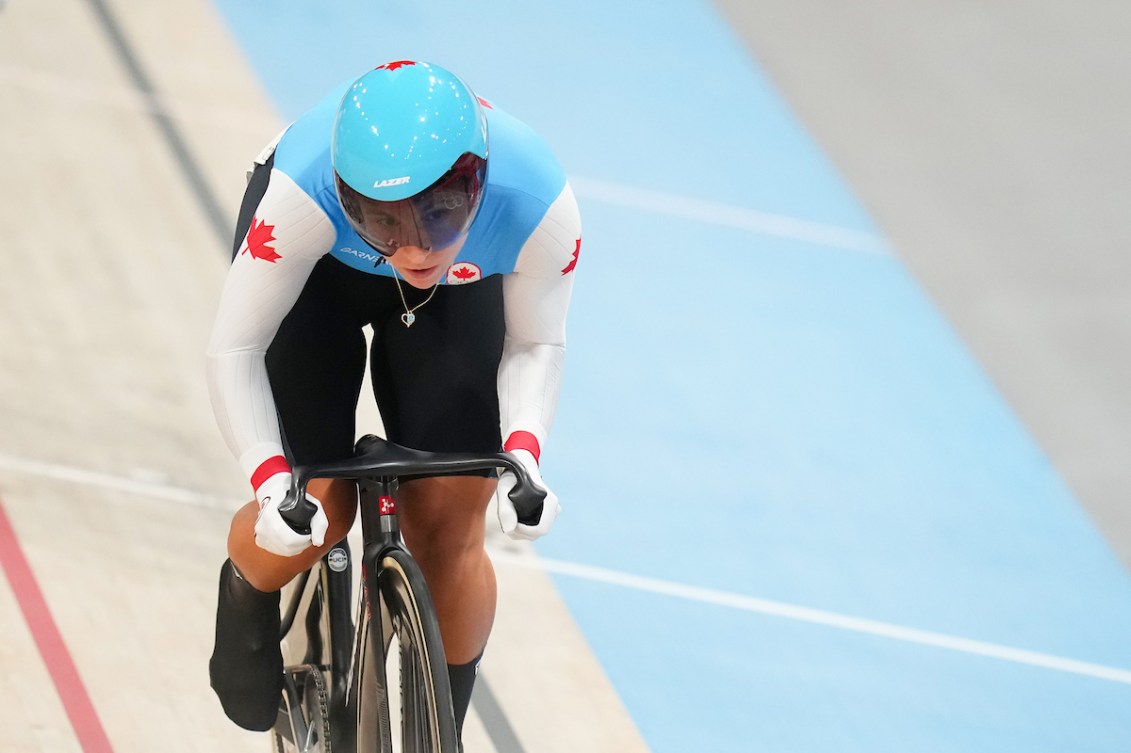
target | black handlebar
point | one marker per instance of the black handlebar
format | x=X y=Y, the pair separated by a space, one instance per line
x=377 y=458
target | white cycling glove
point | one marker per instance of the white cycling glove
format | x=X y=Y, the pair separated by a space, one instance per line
x=508 y=516
x=272 y=532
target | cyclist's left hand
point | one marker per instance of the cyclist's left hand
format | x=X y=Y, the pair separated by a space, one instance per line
x=508 y=516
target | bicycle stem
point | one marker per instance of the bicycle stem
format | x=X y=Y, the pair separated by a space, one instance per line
x=378 y=496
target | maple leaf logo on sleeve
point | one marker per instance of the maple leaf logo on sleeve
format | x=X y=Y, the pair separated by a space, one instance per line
x=258 y=237
x=573 y=262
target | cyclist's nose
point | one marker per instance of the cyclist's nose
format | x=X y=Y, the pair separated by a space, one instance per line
x=412 y=253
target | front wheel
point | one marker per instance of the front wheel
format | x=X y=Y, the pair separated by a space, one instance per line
x=405 y=704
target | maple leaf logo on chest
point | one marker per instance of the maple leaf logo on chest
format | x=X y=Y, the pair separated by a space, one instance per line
x=463 y=272
x=258 y=237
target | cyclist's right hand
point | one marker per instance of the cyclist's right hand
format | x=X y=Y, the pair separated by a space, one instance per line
x=272 y=532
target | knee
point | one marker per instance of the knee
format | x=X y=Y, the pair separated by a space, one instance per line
x=270 y=572
x=241 y=533
x=445 y=546
x=339 y=500
x=446 y=514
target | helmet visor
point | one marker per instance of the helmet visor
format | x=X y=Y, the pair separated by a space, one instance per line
x=433 y=219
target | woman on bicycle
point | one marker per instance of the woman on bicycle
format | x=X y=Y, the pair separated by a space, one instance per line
x=404 y=202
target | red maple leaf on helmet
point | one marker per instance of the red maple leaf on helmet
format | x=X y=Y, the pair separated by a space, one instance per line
x=395 y=64
x=573 y=262
x=258 y=237
x=463 y=273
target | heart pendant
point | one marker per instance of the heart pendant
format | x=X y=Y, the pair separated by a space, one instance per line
x=408 y=318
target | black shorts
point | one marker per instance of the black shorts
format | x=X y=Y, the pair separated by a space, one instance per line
x=435 y=383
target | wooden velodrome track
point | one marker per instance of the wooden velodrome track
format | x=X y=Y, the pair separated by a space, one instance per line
x=115 y=487
x=994 y=156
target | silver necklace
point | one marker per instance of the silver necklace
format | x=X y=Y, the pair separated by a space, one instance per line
x=408 y=317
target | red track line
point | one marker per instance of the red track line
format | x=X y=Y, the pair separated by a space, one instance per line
x=76 y=701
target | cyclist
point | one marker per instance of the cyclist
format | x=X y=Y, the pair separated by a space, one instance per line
x=405 y=202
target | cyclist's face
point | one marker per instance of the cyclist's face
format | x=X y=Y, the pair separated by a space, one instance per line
x=421 y=268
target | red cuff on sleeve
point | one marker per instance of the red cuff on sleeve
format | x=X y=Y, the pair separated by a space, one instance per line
x=267 y=469
x=524 y=440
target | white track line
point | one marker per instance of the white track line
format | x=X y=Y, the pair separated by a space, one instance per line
x=69 y=474
x=725 y=215
x=818 y=617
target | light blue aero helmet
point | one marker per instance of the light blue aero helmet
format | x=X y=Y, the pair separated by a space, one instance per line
x=409 y=151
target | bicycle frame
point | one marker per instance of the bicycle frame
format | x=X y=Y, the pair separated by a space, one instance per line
x=334 y=626
x=380 y=530
x=376 y=468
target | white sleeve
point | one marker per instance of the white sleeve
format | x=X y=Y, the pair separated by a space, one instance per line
x=288 y=235
x=535 y=301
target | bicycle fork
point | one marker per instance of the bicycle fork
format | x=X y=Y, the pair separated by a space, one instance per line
x=380 y=532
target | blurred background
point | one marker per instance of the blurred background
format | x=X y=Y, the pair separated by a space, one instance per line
x=843 y=442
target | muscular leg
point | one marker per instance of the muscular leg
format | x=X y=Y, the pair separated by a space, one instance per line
x=246 y=668
x=443 y=521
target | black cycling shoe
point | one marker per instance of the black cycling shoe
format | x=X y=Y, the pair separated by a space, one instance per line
x=246 y=668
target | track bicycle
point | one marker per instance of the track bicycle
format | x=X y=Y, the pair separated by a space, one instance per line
x=381 y=684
